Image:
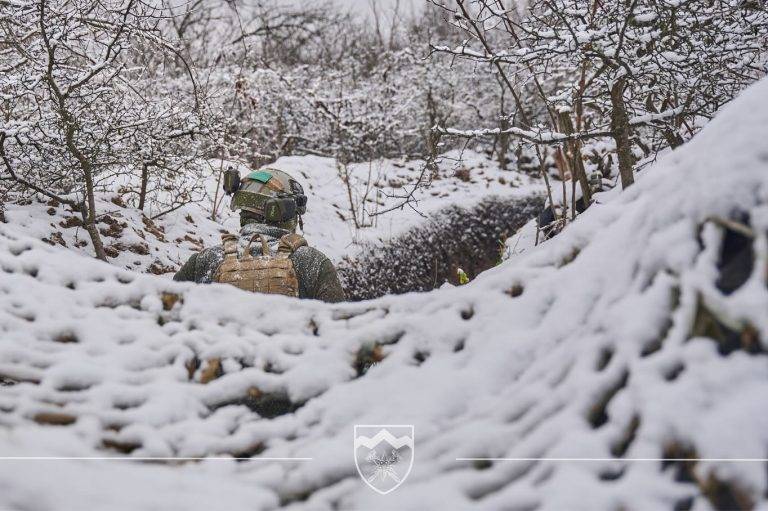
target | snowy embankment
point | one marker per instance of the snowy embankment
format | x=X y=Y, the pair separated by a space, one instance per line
x=620 y=340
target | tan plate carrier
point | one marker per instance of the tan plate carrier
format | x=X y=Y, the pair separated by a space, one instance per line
x=268 y=273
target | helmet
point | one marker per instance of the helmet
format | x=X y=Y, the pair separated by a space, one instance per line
x=268 y=194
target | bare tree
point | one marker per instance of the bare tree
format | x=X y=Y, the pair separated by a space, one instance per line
x=73 y=103
x=640 y=73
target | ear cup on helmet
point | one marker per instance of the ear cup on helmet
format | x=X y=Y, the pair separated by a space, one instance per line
x=301 y=204
x=279 y=210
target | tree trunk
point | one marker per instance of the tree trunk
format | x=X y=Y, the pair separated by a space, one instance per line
x=434 y=144
x=673 y=139
x=344 y=172
x=89 y=205
x=89 y=219
x=576 y=161
x=143 y=191
x=503 y=141
x=621 y=131
x=89 y=222
x=562 y=164
x=433 y=138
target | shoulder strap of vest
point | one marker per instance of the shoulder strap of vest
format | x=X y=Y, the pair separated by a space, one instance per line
x=264 y=246
x=230 y=245
x=290 y=243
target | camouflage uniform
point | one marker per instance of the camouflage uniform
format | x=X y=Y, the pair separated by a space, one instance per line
x=317 y=276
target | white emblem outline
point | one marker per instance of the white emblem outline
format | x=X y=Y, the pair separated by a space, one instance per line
x=383 y=434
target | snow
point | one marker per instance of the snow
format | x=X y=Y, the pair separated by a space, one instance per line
x=642 y=119
x=501 y=373
x=646 y=17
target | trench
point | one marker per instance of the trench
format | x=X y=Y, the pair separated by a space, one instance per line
x=428 y=255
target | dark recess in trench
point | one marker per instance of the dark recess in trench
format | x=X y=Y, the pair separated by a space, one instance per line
x=427 y=256
x=736 y=259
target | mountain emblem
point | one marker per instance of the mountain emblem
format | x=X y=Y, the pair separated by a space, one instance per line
x=384 y=455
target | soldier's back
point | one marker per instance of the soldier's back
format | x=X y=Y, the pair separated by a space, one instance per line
x=299 y=270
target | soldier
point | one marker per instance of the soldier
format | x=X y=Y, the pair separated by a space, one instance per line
x=268 y=256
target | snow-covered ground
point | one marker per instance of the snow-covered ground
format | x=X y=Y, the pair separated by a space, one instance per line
x=598 y=344
x=136 y=242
